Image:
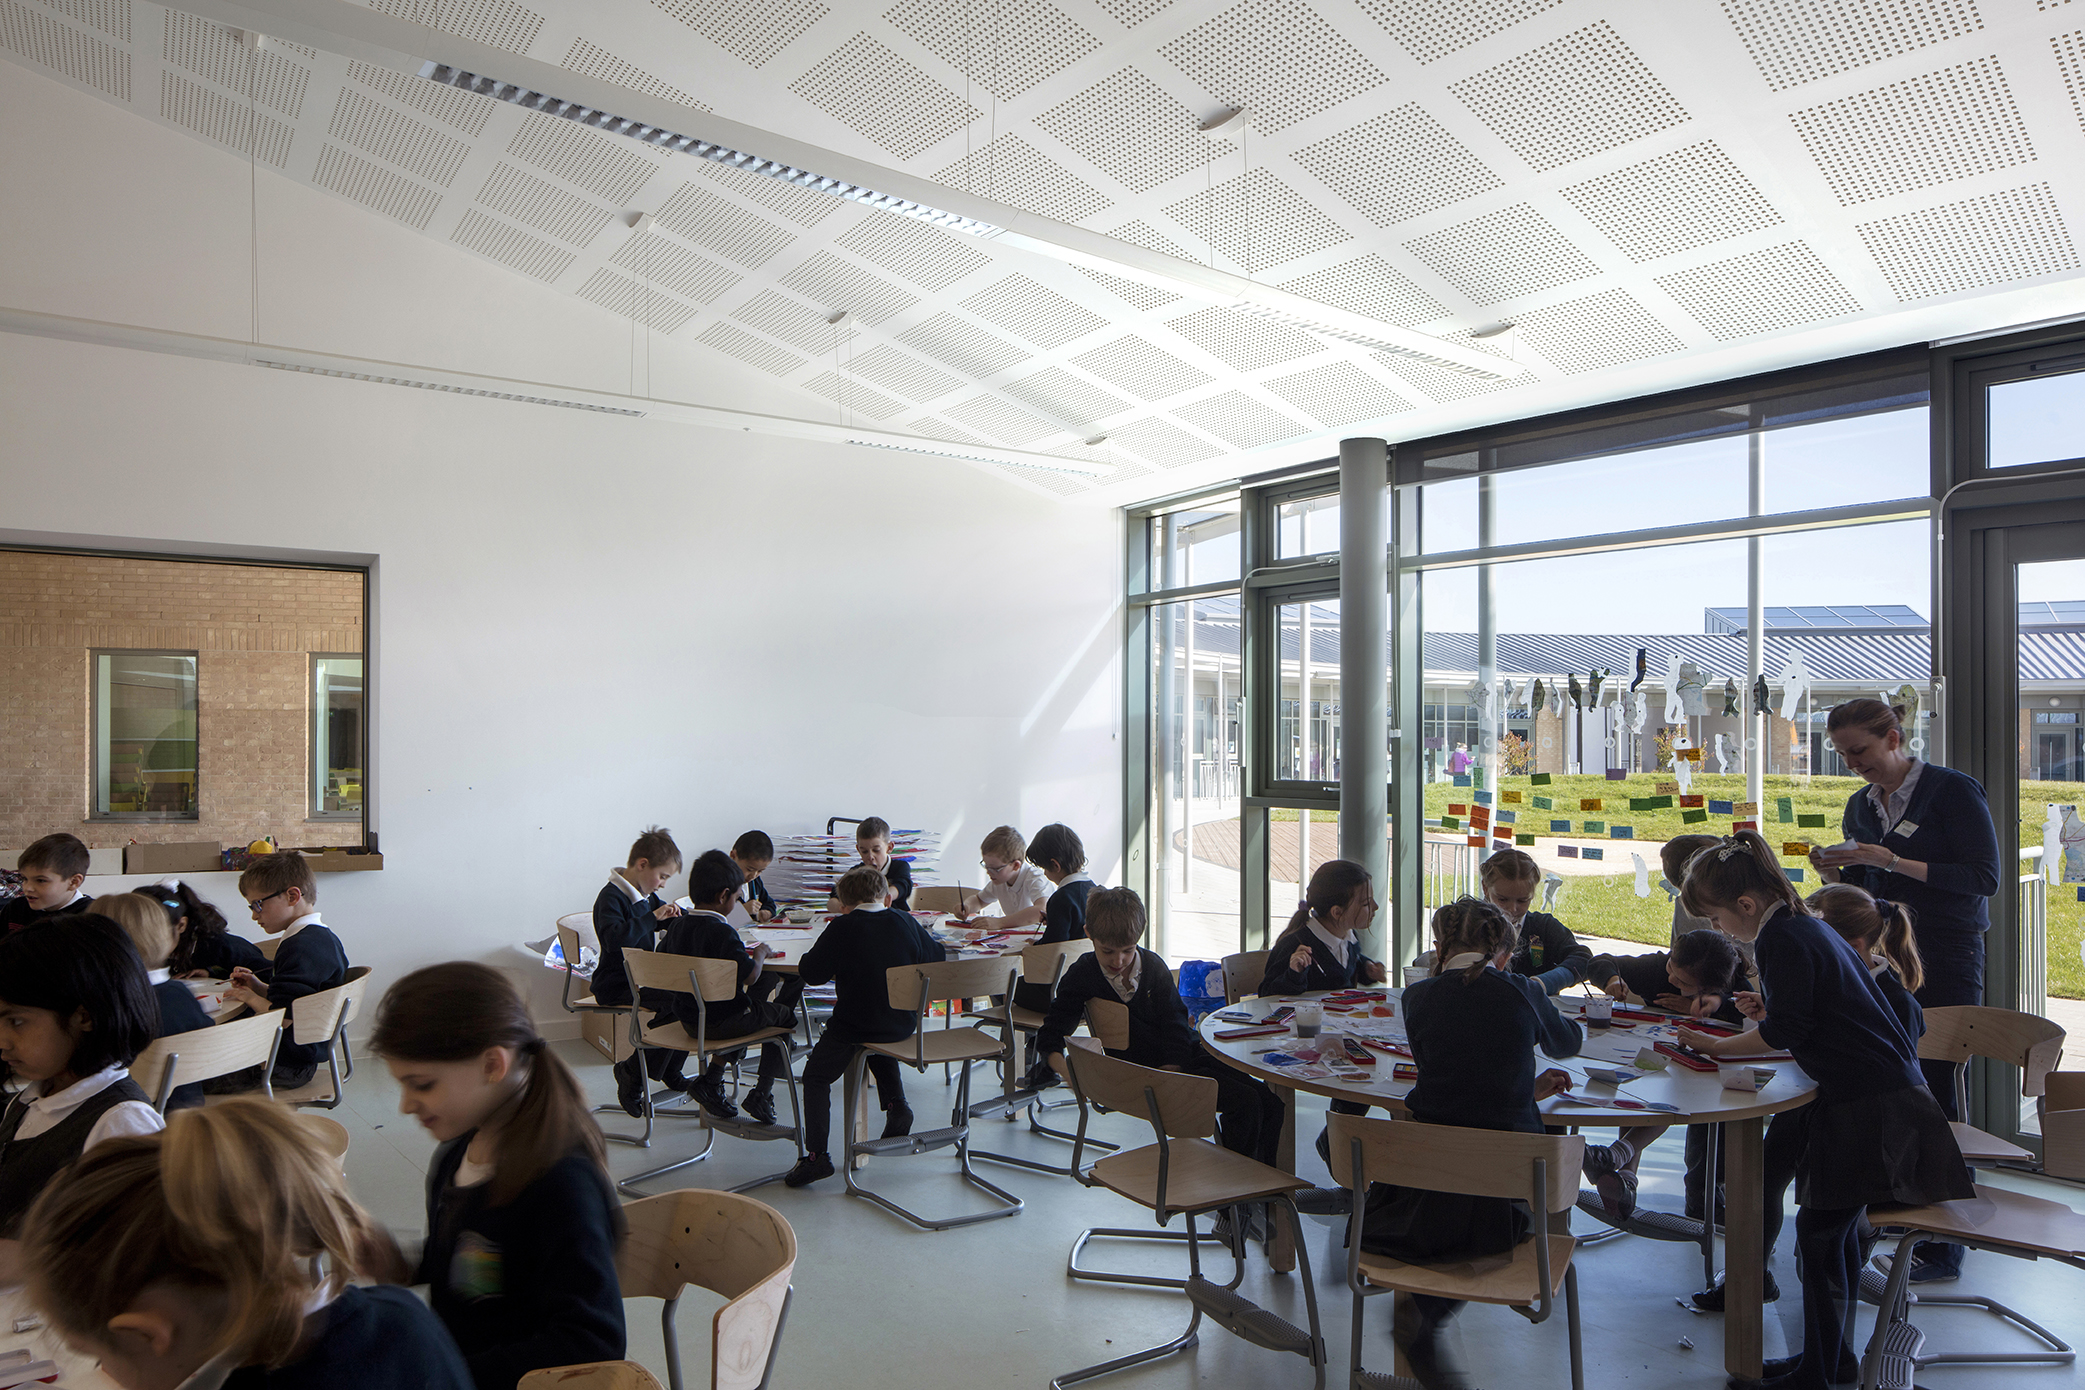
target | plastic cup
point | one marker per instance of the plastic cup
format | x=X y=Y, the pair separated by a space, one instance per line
x=1309 y=1018
x=1413 y=974
x=1599 y=1013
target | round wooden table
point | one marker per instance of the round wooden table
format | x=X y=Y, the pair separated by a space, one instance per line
x=22 y=1328
x=1697 y=1098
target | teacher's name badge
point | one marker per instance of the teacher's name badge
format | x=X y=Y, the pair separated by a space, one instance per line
x=1906 y=828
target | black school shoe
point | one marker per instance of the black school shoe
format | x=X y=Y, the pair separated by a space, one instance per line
x=288 y=1077
x=1711 y=1300
x=709 y=1094
x=760 y=1104
x=1781 y=1371
x=629 y=1086
x=897 y=1122
x=809 y=1169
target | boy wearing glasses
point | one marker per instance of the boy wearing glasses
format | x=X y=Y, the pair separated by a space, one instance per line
x=1012 y=884
x=283 y=897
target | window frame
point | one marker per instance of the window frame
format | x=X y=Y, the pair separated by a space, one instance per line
x=315 y=792
x=97 y=712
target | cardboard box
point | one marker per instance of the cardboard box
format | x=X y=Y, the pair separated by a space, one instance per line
x=609 y=1033
x=335 y=861
x=2063 y=1126
x=193 y=857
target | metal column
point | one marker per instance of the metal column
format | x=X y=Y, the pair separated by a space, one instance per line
x=1364 y=657
x=1755 y=624
x=1489 y=720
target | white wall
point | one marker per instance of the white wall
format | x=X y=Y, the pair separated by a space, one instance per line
x=584 y=624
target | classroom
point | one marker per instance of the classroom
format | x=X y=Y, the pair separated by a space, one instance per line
x=1120 y=692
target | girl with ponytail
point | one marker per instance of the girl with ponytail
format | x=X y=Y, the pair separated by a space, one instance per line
x=204 y=946
x=1321 y=947
x=522 y=1222
x=1874 y=1132
x=188 y=1258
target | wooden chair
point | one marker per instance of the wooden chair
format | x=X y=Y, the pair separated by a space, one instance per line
x=1035 y=964
x=710 y=981
x=269 y=945
x=1185 y=1174
x=568 y=946
x=1958 y=1032
x=947 y=898
x=916 y=988
x=1242 y=974
x=1542 y=1169
x=729 y=1244
x=2007 y=1223
x=323 y=1018
x=331 y=1134
x=594 y=1375
x=186 y=1058
x=355 y=975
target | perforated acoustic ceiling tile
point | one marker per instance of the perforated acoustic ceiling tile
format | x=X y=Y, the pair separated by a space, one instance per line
x=1130 y=13
x=212 y=53
x=619 y=294
x=534 y=203
x=1063 y=484
x=1149 y=373
x=1244 y=342
x=499 y=23
x=1928 y=130
x=453 y=107
x=1120 y=468
x=1503 y=255
x=900 y=372
x=941 y=429
x=828 y=281
x=966 y=347
x=511 y=246
x=2070 y=61
x=390 y=194
x=1162 y=442
x=1239 y=420
x=792 y=321
x=926 y=256
x=377 y=129
x=751 y=31
x=2017 y=234
x=748 y=348
x=1432 y=29
x=63 y=49
x=1600 y=330
x=112 y=17
x=1675 y=202
x=1798 y=41
x=225 y=119
x=1371 y=286
x=1033 y=313
x=1257 y=221
x=853 y=395
x=1129 y=127
x=1278 y=59
x=604 y=165
x=1143 y=296
x=1059 y=395
x=806 y=207
x=884 y=99
x=1002 y=420
x=1581 y=94
x=1433 y=169
x=1761 y=291
x=1005 y=47
x=720 y=225
x=1445 y=383
x=1338 y=393
x=661 y=261
x=1010 y=170
x=596 y=61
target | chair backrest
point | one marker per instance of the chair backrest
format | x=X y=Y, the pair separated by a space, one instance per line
x=356 y=979
x=206 y=1052
x=945 y=979
x=269 y=945
x=727 y=1243
x=331 y=1134
x=1186 y=1102
x=1447 y=1158
x=1045 y=964
x=1108 y=1021
x=1957 y=1032
x=714 y=979
x=1242 y=974
x=594 y=1375
x=942 y=897
x=316 y=1018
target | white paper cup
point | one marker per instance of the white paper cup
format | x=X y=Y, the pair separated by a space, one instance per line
x=1737 y=1077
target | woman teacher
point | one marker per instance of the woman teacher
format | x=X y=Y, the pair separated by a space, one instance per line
x=1922 y=836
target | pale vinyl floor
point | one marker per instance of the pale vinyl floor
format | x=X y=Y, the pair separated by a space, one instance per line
x=881 y=1305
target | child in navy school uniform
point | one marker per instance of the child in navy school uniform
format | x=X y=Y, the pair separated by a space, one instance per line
x=1013 y=883
x=1472 y=1025
x=283 y=895
x=1548 y=953
x=763 y=1000
x=204 y=947
x=218 y=1287
x=53 y=868
x=1058 y=852
x=855 y=954
x=145 y=922
x=1875 y=1132
x=753 y=852
x=627 y=915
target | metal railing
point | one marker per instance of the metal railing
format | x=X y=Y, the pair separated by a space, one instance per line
x=2034 y=933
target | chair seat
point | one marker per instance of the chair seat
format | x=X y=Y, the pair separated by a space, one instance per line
x=679 y=1039
x=1979 y=1147
x=1998 y=1217
x=944 y=1045
x=587 y=1003
x=1514 y=1278
x=1027 y=1020
x=1200 y=1176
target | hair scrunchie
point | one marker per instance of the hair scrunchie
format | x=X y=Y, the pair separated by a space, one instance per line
x=1887 y=908
x=533 y=1046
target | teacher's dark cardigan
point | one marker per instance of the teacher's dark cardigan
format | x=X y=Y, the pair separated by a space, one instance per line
x=1954 y=838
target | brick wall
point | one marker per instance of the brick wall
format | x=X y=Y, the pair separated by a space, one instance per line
x=253 y=629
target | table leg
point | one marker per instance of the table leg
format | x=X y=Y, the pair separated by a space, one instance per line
x=1744 y=1246
x=1281 y=1237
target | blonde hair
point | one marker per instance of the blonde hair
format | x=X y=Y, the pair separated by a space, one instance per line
x=1006 y=842
x=235 y=1198
x=1510 y=866
x=1872 y=924
x=1471 y=924
x=862 y=885
x=144 y=921
x=1114 y=917
x=1737 y=865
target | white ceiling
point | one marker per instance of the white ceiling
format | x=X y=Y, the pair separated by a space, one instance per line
x=1654 y=193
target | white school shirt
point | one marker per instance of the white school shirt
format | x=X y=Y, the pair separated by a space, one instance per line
x=309 y=919
x=1125 y=986
x=1341 y=947
x=124 y=1118
x=1029 y=889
